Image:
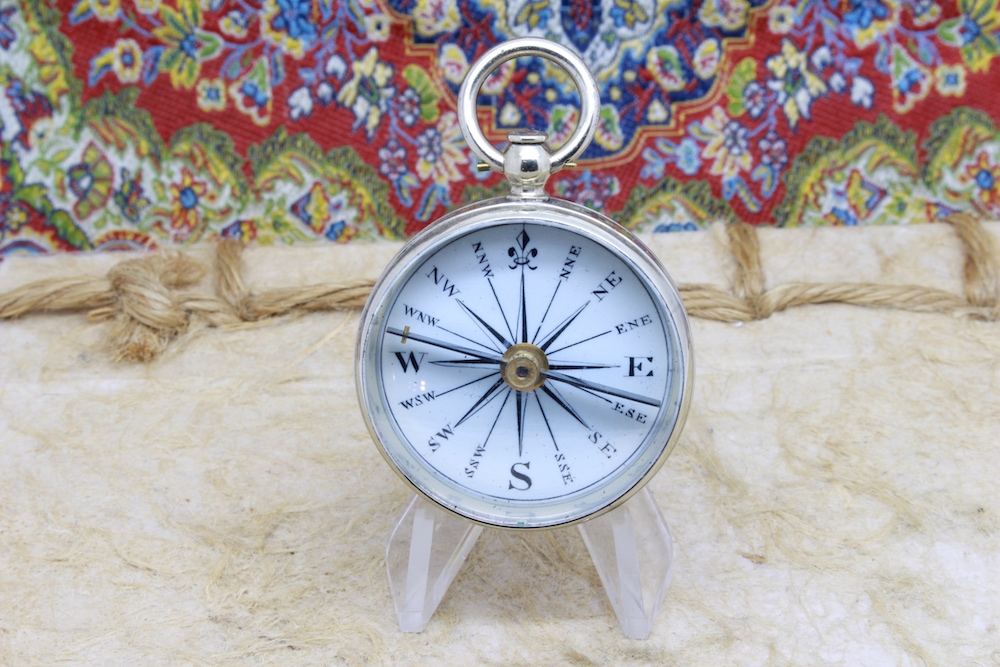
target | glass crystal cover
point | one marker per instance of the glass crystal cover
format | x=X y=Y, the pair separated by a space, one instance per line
x=525 y=370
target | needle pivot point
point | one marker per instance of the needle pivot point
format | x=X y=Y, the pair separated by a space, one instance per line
x=523 y=367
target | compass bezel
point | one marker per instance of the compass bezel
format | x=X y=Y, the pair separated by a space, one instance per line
x=612 y=490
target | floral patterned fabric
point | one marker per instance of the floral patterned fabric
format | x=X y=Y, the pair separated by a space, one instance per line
x=143 y=123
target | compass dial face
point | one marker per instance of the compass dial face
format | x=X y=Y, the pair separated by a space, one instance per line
x=525 y=373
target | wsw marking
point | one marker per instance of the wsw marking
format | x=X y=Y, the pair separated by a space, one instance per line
x=420 y=316
x=480 y=253
x=418 y=400
x=411 y=360
x=438 y=278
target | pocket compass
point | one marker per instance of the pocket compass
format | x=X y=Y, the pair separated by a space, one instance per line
x=525 y=362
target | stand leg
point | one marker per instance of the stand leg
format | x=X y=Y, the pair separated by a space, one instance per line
x=633 y=552
x=426 y=548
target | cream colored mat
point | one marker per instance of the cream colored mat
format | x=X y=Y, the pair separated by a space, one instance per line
x=833 y=500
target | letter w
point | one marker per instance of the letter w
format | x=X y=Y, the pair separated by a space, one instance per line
x=410 y=360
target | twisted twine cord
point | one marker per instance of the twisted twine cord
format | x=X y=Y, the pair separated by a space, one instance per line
x=150 y=300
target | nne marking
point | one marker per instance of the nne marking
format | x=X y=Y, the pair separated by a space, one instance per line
x=567 y=267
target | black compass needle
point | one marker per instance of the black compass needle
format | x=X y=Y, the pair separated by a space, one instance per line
x=524 y=312
x=409 y=335
x=577 y=366
x=600 y=388
x=522 y=413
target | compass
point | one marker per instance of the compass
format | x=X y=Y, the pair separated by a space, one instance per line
x=525 y=362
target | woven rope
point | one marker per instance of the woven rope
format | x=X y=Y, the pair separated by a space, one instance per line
x=150 y=300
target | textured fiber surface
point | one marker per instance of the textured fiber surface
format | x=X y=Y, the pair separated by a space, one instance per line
x=833 y=497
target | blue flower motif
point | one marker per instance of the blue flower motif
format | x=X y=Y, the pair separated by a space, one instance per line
x=7 y=34
x=984 y=179
x=689 y=156
x=336 y=230
x=675 y=227
x=755 y=99
x=865 y=12
x=909 y=81
x=293 y=18
x=409 y=107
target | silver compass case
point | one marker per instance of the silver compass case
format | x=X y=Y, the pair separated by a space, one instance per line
x=525 y=362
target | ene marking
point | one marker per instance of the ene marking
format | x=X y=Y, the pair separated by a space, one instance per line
x=631 y=325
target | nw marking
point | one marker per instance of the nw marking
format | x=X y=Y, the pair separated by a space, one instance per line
x=448 y=286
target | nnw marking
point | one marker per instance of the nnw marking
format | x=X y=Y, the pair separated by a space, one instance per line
x=477 y=248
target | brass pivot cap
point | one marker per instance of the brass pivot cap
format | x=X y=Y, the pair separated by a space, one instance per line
x=523 y=367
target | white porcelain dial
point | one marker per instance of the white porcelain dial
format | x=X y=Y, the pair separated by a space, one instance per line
x=525 y=365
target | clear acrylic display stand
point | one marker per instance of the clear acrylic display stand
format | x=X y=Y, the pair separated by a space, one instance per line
x=631 y=548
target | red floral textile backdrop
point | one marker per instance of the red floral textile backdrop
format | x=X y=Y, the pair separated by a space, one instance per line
x=143 y=123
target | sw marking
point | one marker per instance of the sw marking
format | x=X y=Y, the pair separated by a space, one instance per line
x=418 y=400
x=434 y=442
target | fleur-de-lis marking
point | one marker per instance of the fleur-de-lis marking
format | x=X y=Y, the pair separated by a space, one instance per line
x=525 y=255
